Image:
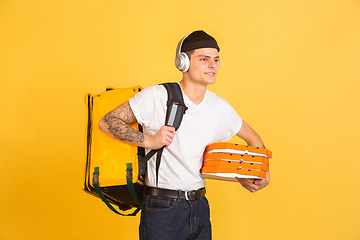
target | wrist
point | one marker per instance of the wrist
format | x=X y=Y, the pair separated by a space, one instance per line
x=147 y=141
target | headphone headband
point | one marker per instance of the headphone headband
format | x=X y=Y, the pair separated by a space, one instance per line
x=181 y=44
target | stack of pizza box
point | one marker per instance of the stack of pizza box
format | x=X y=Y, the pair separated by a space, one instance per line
x=225 y=161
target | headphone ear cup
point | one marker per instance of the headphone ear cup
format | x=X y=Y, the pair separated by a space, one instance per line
x=182 y=62
x=185 y=62
x=178 y=62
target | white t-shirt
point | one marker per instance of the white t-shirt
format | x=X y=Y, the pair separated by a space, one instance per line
x=212 y=120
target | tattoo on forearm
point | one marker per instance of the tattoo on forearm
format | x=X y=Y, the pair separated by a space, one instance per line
x=117 y=124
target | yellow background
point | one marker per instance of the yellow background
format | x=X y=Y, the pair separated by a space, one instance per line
x=290 y=69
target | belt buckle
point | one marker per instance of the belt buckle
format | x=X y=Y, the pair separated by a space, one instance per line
x=190 y=195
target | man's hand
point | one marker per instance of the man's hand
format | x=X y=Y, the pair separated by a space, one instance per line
x=163 y=137
x=256 y=185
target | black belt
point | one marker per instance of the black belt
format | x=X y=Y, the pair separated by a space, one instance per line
x=178 y=194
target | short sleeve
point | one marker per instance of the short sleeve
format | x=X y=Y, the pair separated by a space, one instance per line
x=149 y=106
x=140 y=105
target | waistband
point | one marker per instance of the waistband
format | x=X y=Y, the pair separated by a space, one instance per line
x=177 y=194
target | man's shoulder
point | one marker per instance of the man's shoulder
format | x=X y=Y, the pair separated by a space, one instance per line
x=155 y=88
x=147 y=101
x=214 y=98
x=153 y=91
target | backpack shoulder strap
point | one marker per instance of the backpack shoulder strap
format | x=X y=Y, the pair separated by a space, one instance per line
x=176 y=108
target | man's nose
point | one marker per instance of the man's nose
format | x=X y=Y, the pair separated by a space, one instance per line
x=212 y=63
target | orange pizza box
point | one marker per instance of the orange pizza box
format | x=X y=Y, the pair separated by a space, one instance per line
x=229 y=174
x=236 y=164
x=236 y=157
x=234 y=148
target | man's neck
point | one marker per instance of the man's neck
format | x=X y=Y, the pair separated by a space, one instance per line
x=195 y=92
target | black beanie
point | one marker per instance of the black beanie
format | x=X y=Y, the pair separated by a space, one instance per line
x=199 y=39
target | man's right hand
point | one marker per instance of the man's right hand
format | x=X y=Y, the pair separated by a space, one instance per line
x=163 y=137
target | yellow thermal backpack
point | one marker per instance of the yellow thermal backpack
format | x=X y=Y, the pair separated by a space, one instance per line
x=115 y=171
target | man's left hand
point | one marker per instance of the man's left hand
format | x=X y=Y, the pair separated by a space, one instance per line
x=256 y=185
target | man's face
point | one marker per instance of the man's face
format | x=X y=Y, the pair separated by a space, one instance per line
x=204 y=65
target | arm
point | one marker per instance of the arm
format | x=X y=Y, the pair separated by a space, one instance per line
x=115 y=124
x=252 y=139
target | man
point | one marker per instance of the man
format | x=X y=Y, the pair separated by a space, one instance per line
x=167 y=211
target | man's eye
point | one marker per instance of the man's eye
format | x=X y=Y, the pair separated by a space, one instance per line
x=203 y=59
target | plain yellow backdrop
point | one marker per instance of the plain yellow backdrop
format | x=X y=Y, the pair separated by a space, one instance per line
x=291 y=69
